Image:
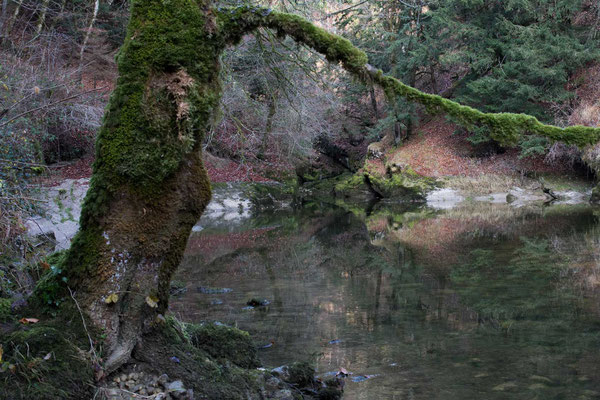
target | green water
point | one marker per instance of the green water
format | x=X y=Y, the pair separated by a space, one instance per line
x=481 y=302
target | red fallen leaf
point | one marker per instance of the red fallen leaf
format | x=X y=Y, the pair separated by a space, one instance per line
x=26 y=321
x=45 y=266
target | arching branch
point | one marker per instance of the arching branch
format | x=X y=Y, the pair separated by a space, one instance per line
x=506 y=128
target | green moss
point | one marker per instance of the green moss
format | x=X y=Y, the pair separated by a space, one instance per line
x=401 y=186
x=5 y=313
x=301 y=374
x=263 y=195
x=331 y=392
x=224 y=344
x=142 y=140
x=350 y=183
x=199 y=370
x=595 y=198
x=239 y=21
x=49 y=361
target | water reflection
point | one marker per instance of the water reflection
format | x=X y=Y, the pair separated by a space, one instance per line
x=481 y=302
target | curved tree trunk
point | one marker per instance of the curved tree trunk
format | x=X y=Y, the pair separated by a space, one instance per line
x=149 y=186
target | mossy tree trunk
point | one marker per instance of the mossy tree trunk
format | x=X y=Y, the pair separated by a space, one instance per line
x=149 y=186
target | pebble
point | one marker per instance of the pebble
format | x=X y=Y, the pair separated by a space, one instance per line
x=163 y=379
x=135 y=385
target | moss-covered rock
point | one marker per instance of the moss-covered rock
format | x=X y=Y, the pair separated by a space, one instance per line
x=265 y=196
x=354 y=187
x=405 y=185
x=224 y=344
x=301 y=373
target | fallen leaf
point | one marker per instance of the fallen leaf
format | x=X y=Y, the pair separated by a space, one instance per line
x=45 y=266
x=112 y=298
x=26 y=321
x=12 y=368
x=47 y=356
x=152 y=301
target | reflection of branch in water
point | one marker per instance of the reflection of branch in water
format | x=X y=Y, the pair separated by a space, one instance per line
x=377 y=294
x=277 y=300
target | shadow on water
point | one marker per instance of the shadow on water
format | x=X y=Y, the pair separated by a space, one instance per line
x=479 y=302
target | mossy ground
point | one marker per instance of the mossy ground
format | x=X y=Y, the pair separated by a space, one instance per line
x=216 y=362
x=5 y=313
x=50 y=359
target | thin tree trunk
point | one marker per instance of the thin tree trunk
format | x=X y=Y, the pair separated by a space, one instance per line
x=90 y=27
x=3 y=17
x=63 y=4
x=11 y=21
x=42 y=17
x=268 y=126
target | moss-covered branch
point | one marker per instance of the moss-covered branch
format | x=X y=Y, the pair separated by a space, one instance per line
x=506 y=128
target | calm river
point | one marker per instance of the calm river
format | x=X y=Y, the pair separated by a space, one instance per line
x=482 y=301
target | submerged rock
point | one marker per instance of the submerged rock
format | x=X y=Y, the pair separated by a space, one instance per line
x=177 y=288
x=212 y=290
x=301 y=375
x=258 y=302
x=362 y=378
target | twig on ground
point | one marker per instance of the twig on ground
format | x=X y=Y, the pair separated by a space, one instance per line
x=92 y=350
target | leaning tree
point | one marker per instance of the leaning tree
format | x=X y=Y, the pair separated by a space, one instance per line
x=149 y=186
